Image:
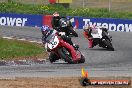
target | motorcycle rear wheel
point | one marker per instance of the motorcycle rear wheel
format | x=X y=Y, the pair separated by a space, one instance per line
x=66 y=55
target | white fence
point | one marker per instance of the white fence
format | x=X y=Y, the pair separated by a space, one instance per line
x=114 y=5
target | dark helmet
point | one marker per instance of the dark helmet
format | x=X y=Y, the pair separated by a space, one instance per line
x=87 y=27
x=56 y=16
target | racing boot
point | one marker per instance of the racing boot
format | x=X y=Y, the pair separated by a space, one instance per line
x=90 y=45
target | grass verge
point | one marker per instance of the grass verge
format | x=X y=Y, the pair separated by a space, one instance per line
x=14 y=49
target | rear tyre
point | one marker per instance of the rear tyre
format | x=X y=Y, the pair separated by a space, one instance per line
x=66 y=55
x=53 y=57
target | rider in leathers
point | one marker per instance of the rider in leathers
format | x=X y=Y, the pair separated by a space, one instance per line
x=87 y=33
x=46 y=31
x=55 y=22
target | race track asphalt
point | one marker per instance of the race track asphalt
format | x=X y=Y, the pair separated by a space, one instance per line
x=99 y=62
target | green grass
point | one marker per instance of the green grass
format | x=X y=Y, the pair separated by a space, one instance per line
x=14 y=7
x=11 y=49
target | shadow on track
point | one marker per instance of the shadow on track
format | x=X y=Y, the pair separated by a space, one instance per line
x=98 y=49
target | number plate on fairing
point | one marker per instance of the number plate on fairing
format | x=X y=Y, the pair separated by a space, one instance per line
x=98 y=34
x=53 y=43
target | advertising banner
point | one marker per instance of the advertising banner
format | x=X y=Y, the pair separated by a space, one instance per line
x=47 y=20
x=123 y=25
x=20 y=20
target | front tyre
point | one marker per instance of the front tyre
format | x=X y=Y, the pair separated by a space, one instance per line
x=109 y=45
x=53 y=57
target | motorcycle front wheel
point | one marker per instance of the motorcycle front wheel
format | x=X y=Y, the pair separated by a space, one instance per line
x=109 y=45
x=53 y=57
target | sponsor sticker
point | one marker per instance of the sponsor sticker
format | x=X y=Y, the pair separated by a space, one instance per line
x=12 y=21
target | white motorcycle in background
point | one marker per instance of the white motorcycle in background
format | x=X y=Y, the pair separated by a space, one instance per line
x=102 y=38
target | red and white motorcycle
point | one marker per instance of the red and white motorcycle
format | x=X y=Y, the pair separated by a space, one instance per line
x=102 y=38
x=60 y=49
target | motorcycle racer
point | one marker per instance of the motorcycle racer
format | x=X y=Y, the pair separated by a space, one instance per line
x=87 y=34
x=98 y=35
x=62 y=24
x=46 y=31
x=59 y=47
x=55 y=21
